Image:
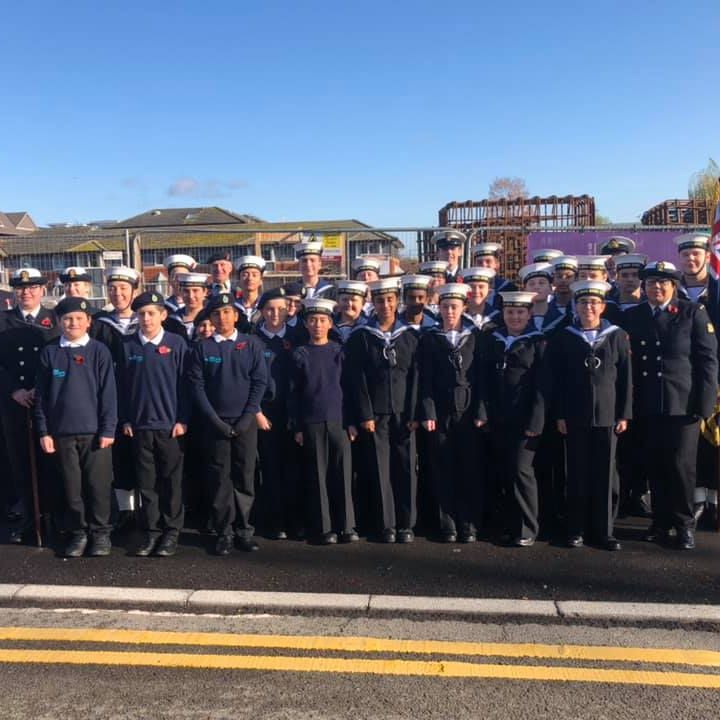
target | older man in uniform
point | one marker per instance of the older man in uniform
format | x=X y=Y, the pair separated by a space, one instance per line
x=24 y=331
x=675 y=376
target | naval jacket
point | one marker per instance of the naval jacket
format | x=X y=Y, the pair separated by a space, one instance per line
x=590 y=382
x=675 y=366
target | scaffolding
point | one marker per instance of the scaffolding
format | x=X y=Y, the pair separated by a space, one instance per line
x=680 y=212
x=508 y=222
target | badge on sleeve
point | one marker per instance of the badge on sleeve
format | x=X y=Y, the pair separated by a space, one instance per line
x=710 y=328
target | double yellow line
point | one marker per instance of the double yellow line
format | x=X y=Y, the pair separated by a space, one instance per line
x=368 y=645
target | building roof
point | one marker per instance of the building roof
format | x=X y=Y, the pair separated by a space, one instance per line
x=183 y=217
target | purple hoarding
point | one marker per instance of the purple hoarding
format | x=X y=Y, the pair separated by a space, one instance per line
x=656 y=244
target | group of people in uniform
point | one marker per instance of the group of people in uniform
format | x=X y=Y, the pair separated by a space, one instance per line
x=451 y=400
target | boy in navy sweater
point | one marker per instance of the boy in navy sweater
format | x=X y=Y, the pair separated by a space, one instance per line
x=76 y=414
x=228 y=378
x=154 y=413
x=317 y=417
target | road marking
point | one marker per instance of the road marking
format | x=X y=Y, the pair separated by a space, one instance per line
x=665 y=656
x=361 y=666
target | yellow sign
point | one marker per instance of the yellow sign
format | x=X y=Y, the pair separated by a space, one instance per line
x=333 y=242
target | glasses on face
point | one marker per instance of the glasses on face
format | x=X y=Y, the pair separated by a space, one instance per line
x=662 y=282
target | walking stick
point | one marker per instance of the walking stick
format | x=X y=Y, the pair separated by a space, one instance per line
x=34 y=479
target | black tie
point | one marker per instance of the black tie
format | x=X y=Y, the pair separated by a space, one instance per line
x=657 y=311
x=30 y=319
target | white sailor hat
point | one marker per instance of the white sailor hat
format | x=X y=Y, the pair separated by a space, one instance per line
x=545 y=255
x=316 y=305
x=565 y=262
x=686 y=241
x=631 y=261
x=311 y=247
x=661 y=269
x=173 y=261
x=597 y=288
x=617 y=244
x=250 y=261
x=352 y=287
x=362 y=262
x=75 y=274
x=26 y=276
x=453 y=291
x=448 y=238
x=124 y=273
x=538 y=269
x=192 y=279
x=477 y=274
x=415 y=282
x=488 y=248
x=591 y=262
x=433 y=267
x=386 y=285
x=520 y=298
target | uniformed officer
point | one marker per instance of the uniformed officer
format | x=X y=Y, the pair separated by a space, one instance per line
x=613 y=248
x=479 y=280
x=536 y=278
x=24 y=330
x=545 y=255
x=415 y=311
x=436 y=270
x=309 y=257
x=512 y=408
x=221 y=268
x=228 y=379
x=194 y=291
x=250 y=270
x=448 y=406
x=77 y=282
x=675 y=371
x=449 y=245
x=488 y=255
x=381 y=357
x=176 y=266
x=590 y=379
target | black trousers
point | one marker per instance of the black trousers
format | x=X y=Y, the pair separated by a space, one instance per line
x=631 y=463
x=391 y=470
x=281 y=501
x=123 y=461
x=326 y=450
x=86 y=473
x=551 y=473
x=514 y=453
x=671 y=455
x=159 y=472
x=456 y=474
x=592 y=484
x=231 y=477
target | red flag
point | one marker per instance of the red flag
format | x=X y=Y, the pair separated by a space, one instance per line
x=715 y=245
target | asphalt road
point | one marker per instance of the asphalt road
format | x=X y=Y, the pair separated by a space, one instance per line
x=60 y=689
x=640 y=572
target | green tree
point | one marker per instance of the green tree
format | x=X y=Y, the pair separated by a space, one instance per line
x=705 y=184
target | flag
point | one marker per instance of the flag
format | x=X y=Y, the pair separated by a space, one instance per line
x=715 y=245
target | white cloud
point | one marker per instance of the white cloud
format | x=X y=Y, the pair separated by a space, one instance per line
x=191 y=187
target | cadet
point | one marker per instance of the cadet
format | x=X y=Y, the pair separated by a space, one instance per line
x=488 y=255
x=293 y=295
x=381 y=356
x=228 y=378
x=365 y=269
x=479 y=280
x=76 y=414
x=319 y=418
x=537 y=278
x=589 y=376
x=415 y=299
x=154 y=413
x=448 y=406
x=675 y=372
x=177 y=266
x=281 y=499
x=76 y=281
x=628 y=287
x=437 y=270
x=565 y=270
x=449 y=245
x=194 y=290
x=513 y=408
x=25 y=330
x=351 y=296
x=309 y=257
x=250 y=270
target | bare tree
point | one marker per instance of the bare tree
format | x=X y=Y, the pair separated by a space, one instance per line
x=704 y=184
x=507 y=188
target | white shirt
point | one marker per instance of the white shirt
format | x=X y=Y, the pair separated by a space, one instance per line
x=80 y=342
x=280 y=333
x=34 y=312
x=221 y=338
x=155 y=341
x=453 y=336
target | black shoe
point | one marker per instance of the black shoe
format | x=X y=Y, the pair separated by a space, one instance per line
x=299 y=534
x=524 y=542
x=76 y=547
x=611 y=543
x=16 y=536
x=247 y=544
x=656 y=534
x=448 y=537
x=167 y=545
x=125 y=521
x=388 y=536
x=468 y=537
x=224 y=545
x=698 y=510
x=329 y=538
x=349 y=537
x=711 y=516
x=276 y=535
x=147 y=545
x=686 y=539
x=575 y=541
x=100 y=545
x=405 y=536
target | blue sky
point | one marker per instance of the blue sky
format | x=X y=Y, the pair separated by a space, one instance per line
x=382 y=111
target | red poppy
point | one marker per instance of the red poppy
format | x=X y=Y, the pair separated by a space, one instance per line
x=46 y=322
x=241 y=345
x=164 y=349
x=79 y=359
x=672 y=309
x=287 y=345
